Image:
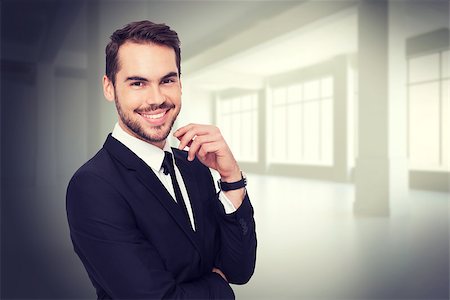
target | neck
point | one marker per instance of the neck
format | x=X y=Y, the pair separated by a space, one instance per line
x=158 y=144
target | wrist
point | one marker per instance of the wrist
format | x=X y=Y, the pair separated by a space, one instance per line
x=233 y=176
x=235 y=183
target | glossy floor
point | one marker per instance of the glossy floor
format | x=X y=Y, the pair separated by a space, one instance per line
x=312 y=246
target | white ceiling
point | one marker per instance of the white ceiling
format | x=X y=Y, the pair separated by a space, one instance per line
x=201 y=24
x=306 y=46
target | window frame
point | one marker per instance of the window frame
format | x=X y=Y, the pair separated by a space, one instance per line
x=229 y=95
x=302 y=103
x=440 y=79
x=335 y=67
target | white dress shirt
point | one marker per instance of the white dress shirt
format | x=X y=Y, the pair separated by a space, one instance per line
x=153 y=157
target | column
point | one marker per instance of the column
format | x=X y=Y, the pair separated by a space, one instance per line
x=380 y=174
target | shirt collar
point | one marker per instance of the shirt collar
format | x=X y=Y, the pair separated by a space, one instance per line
x=150 y=154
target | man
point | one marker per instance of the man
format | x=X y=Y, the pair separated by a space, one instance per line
x=145 y=219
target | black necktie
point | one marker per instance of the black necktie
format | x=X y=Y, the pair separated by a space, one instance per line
x=168 y=168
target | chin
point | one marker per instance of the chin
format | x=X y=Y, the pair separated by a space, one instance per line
x=157 y=134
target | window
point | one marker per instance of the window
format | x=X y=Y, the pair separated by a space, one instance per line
x=301 y=129
x=237 y=118
x=428 y=113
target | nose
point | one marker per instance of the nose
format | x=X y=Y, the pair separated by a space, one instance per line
x=155 y=96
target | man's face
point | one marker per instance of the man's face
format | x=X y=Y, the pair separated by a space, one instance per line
x=147 y=91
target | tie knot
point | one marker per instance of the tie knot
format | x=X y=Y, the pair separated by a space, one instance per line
x=167 y=163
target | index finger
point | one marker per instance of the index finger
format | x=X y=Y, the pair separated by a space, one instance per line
x=182 y=130
x=188 y=133
x=195 y=129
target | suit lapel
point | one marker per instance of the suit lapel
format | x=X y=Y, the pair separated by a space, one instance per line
x=148 y=178
x=192 y=189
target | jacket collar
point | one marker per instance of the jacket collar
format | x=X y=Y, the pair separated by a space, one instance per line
x=152 y=155
x=148 y=178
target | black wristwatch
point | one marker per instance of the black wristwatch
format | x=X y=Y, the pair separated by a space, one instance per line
x=229 y=186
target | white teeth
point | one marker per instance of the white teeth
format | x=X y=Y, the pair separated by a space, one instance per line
x=157 y=116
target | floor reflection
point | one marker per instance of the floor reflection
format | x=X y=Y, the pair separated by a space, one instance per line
x=311 y=246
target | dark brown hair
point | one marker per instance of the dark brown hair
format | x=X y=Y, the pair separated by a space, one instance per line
x=140 y=32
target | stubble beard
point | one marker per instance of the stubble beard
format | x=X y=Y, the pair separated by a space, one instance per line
x=137 y=129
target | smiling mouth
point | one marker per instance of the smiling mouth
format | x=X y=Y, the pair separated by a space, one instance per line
x=154 y=116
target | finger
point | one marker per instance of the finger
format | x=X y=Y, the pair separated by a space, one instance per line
x=182 y=130
x=191 y=135
x=186 y=139
x=197 y=143
x=212 y=147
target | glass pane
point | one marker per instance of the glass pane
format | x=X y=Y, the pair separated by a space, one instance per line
x=445 y=124
x=424 y=68
x=235 y=141
x=311 y=131
x=246 y=102
x=295 y=133
x=225 y=106
x=254 y=101
x=294 y=93
x=234 y=114
x=311 y=90
x=326 y=89
x=327 y=131
x=446 y=64
x=279 y=134
x=255 y=133
x=225 y=127
x=279 y=96
x=424 y=125
x=236 y=104
x=246 y=136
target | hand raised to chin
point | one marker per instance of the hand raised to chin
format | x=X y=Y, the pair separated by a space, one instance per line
x=207 y=143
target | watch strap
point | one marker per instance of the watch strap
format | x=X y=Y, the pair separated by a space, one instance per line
x=229 y=186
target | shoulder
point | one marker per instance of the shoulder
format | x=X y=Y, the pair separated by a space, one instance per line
x=99 y=172
x=100 y=165
x=95 y=187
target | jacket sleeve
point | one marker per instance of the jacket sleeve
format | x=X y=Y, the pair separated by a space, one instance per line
x=116 y=254
x=237 y=255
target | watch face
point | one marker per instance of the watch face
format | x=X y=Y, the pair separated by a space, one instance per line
x=244 y=177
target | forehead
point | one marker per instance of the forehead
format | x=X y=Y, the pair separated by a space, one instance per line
x=146 y=59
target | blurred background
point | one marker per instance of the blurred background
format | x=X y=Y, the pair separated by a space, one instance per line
x=338 y=111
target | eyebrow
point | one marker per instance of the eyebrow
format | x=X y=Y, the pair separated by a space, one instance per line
x=136 y=78
x=170 y=74
x=139 y=78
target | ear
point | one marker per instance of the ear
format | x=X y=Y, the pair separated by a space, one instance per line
x=108 y=89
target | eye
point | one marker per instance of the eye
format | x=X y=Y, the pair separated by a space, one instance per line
x=167 y=80
x=137 y=84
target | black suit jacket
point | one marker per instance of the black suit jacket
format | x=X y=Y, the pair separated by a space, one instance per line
x=134 y=240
